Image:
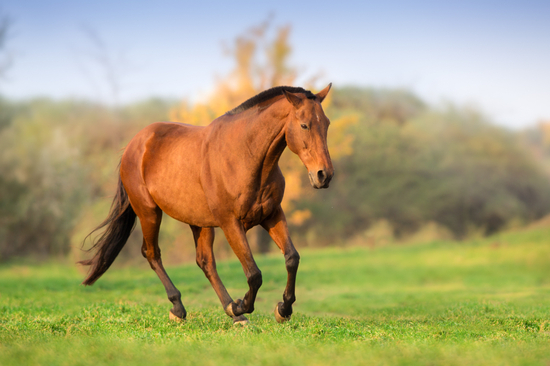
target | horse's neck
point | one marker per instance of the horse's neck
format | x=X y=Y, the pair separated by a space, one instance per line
x=264 y=138
x=271 y=139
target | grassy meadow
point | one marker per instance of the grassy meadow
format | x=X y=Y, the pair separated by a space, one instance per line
x=484 y=302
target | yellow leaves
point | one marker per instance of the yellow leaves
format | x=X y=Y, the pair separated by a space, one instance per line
x=293 y=182
x=294 y=189
x=198 y=114
x=544 y=128
x=278 y=53
x=298 y=217
x=340 y=140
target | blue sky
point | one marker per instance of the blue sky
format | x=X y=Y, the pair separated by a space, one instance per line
x=493 y=55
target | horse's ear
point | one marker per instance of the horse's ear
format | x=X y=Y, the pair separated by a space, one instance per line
x=293 y=99
x=323 y=93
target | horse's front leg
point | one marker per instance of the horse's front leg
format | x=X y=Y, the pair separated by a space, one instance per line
x=278 y=230
x=236 y=236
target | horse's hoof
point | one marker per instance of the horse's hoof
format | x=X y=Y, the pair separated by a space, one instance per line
x=240 y=320
x=278 y=316
x=174 y=317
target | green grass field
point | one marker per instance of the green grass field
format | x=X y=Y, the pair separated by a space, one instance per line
x=484 y=302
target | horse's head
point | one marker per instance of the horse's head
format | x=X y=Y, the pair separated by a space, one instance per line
x=306 y=136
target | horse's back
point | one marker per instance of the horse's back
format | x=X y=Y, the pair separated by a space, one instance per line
x=161 y=140
x=164 y=159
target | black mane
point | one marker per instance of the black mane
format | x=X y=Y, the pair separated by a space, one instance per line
x=268 y=94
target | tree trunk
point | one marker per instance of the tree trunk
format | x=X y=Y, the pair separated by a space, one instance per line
x=264 y=241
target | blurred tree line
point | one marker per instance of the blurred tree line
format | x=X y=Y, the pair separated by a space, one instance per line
x=414 y=165
x=403 y=168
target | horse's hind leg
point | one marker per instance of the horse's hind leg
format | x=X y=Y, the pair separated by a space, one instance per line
x=150 y=225
x=204 y=242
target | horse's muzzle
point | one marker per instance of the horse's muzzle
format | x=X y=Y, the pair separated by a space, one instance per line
x=320 y=179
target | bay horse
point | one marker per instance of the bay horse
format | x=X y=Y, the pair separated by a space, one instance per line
x=222 y=175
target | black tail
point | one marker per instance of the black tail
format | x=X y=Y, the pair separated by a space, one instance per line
x=120 y=223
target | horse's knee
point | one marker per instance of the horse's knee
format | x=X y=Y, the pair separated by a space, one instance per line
x=255 y=280
x=292 y=260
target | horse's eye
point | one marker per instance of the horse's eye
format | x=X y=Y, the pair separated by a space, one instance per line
x=304 y=126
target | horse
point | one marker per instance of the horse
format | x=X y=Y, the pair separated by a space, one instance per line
x=225 y=175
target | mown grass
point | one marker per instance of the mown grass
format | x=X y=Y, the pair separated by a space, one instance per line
x=484 y=302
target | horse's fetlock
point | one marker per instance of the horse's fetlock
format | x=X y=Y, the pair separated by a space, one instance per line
x=174 y=296
x=289 y=299
x=247 y=306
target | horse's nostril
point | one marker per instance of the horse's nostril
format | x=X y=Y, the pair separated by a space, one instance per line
x=321 y=176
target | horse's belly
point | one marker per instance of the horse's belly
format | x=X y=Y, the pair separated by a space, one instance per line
x=179 y=194
x=185 y=208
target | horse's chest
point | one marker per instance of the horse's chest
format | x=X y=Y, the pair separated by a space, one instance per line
x=255 y=209
x=257 y=213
